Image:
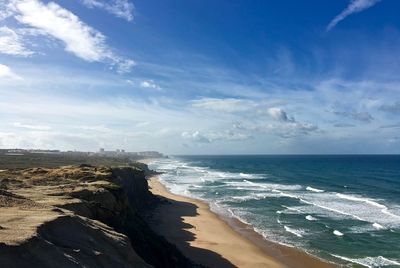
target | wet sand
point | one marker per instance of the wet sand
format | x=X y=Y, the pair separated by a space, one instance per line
x=207 y=239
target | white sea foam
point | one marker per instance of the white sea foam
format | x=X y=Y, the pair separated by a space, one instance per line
x=338 y=233
x=311 y=218
x=261 y=186
x=361 y=199
x=252 y=176
x=253 y=196
x=289 y=195
x=335 y=205
x=250 y=182
x=370 y=262
x=298 y=233
x=308 y=188
x=378 y=226
x=291 y=208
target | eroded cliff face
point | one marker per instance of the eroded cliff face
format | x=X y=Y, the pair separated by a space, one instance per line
x=79 y=216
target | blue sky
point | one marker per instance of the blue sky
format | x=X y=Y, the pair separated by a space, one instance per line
x=201 y=77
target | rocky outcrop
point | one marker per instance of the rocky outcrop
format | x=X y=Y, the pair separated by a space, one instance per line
x=80 y=216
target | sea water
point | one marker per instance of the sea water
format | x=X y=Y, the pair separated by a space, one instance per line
x=341 y=208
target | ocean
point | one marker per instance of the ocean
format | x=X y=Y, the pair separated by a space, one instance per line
x=341 y=208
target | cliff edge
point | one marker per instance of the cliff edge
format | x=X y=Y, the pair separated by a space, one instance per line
x=80 y=216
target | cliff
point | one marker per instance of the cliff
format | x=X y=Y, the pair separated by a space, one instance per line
x=80 y=216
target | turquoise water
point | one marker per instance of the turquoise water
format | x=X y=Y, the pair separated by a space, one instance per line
x=344 y=209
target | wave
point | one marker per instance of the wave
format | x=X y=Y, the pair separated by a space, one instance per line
x=261 y=186
x=361 y=199
x=370 y=262
x=291 y=208
x=297 y=233
x=321 y=202
x=308 y=188
x=253 y=196
x=337 y=233
x=359 y=208
x=252 y=176
x=377 y=226
x=310 y=218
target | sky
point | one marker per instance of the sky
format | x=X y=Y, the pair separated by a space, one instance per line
x=201 y=76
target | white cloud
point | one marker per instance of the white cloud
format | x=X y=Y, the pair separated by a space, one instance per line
x=149 y=84
x=195 y=136
x=354 y=7
x=7 y=73
x=123 y=65
x=228 y=105
x=79 y=38
x=11 y=43
x=279 y=114
x=120 y=8
x=213 y=136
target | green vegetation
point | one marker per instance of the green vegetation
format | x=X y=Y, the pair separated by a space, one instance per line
x=30 y=160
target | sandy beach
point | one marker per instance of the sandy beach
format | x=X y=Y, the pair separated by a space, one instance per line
x=209 y=240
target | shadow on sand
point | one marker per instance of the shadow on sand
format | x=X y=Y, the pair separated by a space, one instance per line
x=167 y=220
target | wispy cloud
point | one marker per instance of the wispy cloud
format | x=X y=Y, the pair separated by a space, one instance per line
x=11 y=43
x=7 y=73
x=149 y=84
x=354 y=6
x=52 y=20
x=120 y=8
x=212 y=136
x=228 y=105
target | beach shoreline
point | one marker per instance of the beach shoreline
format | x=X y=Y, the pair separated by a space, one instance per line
x=216 y=241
